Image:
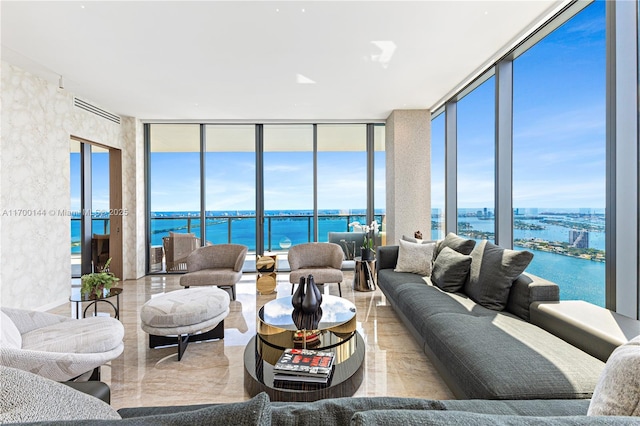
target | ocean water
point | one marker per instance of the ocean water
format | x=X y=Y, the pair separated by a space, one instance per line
x=577 y=278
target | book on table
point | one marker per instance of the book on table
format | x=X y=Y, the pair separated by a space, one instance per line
x=304 y=365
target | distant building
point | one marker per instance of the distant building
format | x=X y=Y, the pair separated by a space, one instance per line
x=579 y=239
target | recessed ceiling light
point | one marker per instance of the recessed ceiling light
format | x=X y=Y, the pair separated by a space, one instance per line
x=82 y=6
x=303 y=10
x=301 y=79
x=277 y=10
x=387 y=48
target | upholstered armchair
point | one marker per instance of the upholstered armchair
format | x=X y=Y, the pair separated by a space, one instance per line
x=322 y=260
x=57 y=347
x=177 y=246
x=219 y=265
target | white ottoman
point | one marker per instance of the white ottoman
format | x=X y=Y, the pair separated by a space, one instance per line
x=184 y=316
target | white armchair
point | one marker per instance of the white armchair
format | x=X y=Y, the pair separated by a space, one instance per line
x=57 y=347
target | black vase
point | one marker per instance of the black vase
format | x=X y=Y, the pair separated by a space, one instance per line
x=298 y=296
x=315 y=288
x=310 y=303
x=366 y=253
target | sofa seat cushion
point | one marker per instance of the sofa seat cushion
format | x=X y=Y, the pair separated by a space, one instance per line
x=213 y=276
x=503 y=357
x=447 y=418
x=520 y=407
x=88 y=335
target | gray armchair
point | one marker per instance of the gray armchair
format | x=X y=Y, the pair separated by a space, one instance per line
x=219 y=265
x=322 y=260
x=58 y=347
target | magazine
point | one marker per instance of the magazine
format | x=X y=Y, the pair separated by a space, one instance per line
x=305 y=362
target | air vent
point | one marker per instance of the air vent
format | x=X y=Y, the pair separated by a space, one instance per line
x=95 y=110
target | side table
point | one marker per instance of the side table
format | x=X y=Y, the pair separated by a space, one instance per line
x=364 y=274
x=78 y=297
x=266 y=266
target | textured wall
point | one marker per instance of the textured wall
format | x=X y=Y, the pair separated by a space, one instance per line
x=37 y=121
x=408 y=161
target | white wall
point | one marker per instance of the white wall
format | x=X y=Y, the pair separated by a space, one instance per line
x=37 y=121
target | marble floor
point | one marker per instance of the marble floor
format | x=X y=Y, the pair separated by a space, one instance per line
x=213 y=372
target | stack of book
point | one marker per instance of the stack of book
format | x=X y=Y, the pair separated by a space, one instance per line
x=304 y=365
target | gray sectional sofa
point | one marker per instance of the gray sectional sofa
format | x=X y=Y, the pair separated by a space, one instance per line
x=31 y=399
x=485 y=353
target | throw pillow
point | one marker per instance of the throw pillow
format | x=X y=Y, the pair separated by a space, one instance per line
x=493 y=270
x=10 y=336
x=415 y=258
x=618 y=390
x=256 y=411
x=459 y=244
x=450 y=270
x=27 y=397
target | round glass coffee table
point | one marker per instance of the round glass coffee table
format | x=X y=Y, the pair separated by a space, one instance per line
x=335 y=332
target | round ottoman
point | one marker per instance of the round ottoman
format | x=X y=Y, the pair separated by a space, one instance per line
x=184 y=316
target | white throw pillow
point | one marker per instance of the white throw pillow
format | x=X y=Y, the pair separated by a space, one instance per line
x=415 y=258
x=10 y=336
x=618 y=390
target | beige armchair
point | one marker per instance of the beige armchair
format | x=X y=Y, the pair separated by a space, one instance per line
x=219 y=265
x=57 y=347
x=177 y=246
x=322 y=260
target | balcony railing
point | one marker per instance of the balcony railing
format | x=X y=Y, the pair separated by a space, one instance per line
x=281 y=231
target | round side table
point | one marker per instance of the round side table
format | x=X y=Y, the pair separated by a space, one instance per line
x=364 y=278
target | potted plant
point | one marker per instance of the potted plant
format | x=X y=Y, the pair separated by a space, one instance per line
x=97 y=282
x=366 y=251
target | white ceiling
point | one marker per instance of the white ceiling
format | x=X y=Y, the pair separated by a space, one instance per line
x=241 y=60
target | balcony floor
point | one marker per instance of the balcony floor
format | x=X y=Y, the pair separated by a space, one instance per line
x=213 y=372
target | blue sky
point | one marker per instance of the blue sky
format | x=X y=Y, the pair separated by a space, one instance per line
x=559 y=125
x=559 y=145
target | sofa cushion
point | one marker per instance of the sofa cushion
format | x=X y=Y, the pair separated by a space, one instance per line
x=450 y=270
x=87 y=335
x=9 y=334
x=493 y=270
x=339 y=411
x=618 y=390
x=27 y=397
x=446 y=418
x=520 y=407
x=256 y=411
x=459 y=244
x=415 y=258
x=503 y=357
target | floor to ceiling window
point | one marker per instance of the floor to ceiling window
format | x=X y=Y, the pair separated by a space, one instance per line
x=380 y=180
x=76 y=207
x=476 y=162
x=437 y=177
x=230 y=173
x=288 y=185
x=174 y=194
x=341 y=177
x=559 y=150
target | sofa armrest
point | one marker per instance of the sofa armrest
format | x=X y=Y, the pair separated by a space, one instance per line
x=386 y=257
x=528 y=288
x=27 y=321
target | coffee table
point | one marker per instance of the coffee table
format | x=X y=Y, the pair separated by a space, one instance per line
x=277 y=331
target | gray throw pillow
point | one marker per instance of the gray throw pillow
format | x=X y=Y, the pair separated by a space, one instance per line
x=618 y=390
x=414 y=258
x=459 y=244
x=450 y=270
x=493 y=270
x=27 y=397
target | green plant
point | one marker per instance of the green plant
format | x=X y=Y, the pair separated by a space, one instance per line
x=97 y=282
